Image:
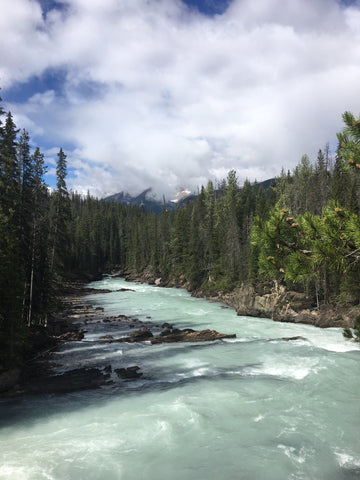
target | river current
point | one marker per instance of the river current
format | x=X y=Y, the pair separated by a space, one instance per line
x=255 y=407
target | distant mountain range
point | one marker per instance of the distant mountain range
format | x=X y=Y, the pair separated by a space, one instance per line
x=150 y=203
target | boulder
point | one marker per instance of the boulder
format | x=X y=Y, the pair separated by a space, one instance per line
x=276 y=302
x=142 y=334
x=129 y=373
x=289 y=339
x=166 y=325
x=9 y=379
x=175 y=335
x=189 y=335
x=165 y=332
x=71 y=381
x=72 y=336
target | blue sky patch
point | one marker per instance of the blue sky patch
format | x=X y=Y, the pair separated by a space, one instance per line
x=47 y=5
x=209 y=7
x=52 y=79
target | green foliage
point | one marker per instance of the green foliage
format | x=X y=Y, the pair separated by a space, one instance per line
x=349 y=140
x=303 y=231
x=276 y=240
x=347 y=333
x=305 y=249
x=349 y=143
x=355 y=333
x=26 y=219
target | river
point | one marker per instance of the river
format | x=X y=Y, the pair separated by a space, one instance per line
x=255 y=407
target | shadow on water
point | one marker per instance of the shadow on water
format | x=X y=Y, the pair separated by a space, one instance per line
x=30 y=409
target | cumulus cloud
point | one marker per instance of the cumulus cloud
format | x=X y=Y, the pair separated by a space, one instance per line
x=158 y=94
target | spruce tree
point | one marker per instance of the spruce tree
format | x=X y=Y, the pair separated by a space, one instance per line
x=39 y=282
x=26 y=208
x=11 y=267
x=60 y=216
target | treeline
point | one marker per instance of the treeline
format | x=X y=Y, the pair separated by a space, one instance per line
x=310 y=239
x=33 y=233
x=303 y=230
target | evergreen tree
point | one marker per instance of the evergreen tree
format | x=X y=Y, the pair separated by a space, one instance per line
x=39 y=281
x=227 y=223
x=197 y=259
x=349 y=140
x=60 y=216
x=26 y=208
x=212 y=244
x=11 y=268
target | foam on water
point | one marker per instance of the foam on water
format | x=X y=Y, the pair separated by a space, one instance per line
x=298 y=456
x=297 y=368
x=14 y=472
x=347 y=460
x=254 y=407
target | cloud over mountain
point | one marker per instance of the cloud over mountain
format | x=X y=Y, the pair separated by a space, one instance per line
x=159 y=94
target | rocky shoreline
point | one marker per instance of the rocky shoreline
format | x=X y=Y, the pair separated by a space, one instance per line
x=38 y=375
x=276 y=303
x=265 y=301
x=281 y=305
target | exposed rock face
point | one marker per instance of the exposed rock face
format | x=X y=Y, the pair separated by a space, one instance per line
x=282 y=305
x=273 y=302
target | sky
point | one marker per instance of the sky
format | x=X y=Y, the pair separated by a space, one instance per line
x=169 y=94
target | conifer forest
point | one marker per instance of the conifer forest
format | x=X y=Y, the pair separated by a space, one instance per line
x=302 y=230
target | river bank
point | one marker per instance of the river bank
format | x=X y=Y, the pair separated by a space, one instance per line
x=254 y=406
x=264 y=301
x=66 y=326
x=39 y=374
x=70 y=324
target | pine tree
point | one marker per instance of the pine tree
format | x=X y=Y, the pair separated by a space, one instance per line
x=60 y=215
x=39 y=281
x=229 y=210
x=196 y=266
x=11 y=268
x=26 y=207
x=212 y=245
x=349 y=140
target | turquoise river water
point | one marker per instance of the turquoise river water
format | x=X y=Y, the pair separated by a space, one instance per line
x=255 y=407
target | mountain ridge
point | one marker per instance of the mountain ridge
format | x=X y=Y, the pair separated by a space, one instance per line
x=148 y=202
x=151 y=204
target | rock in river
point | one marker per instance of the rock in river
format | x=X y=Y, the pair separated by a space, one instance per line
x=129 y=373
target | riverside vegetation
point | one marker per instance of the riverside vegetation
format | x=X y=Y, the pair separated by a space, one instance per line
x=298 y=233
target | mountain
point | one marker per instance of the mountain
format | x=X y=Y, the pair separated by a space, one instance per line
x=149 y=201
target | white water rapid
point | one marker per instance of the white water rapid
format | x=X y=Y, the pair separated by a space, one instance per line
x=252 y=408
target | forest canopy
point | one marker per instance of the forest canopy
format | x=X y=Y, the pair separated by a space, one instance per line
x=303 y=231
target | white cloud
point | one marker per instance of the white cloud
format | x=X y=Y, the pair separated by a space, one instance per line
x=162 y=96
